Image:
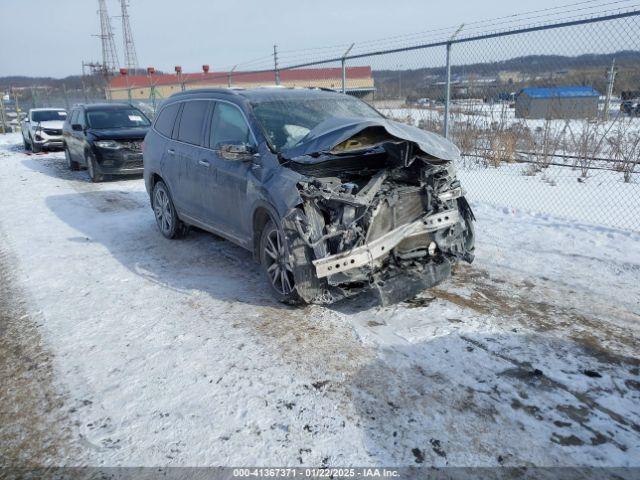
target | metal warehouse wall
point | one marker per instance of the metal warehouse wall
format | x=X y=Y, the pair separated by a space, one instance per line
x=556 y=108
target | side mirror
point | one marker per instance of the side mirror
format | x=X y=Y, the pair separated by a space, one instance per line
x=26 y=119
x=238 y=152
x=76 y=127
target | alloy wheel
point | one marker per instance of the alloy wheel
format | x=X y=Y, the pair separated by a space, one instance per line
x=163 y=210
x=278 y=267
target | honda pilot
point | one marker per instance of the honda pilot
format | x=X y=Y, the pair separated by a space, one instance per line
x=330 y=196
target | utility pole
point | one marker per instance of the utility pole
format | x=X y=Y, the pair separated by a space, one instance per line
x=275 y=64
x=130 y=55
x=344 y=68
x=447 y=96
x=611 y=78
x=84 y=86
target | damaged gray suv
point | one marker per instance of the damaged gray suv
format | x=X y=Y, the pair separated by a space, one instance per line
x=330 y=196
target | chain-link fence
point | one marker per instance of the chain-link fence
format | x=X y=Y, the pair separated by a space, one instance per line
x=546 y=116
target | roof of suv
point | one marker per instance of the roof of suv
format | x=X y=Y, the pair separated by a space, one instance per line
x=260 y=94
x=106 y=106
x=48 y=109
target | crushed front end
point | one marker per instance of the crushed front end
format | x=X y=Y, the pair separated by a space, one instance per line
x=376 y=213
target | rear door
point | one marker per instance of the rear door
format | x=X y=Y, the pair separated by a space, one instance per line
x=160 y=156
x=188 y=152
x=227 y=201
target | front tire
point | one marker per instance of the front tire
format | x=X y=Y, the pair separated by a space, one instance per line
x=35 y=148
x=274 y=257
x=73 y=165
x=165 y=212
x=27 y=145
x=92 y=167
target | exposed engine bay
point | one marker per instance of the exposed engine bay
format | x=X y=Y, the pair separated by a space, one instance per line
x=376 y=213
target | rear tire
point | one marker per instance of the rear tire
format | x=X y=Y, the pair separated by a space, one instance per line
x=274 y=257
x=73 y=165
x=165 y=212
x=92 y=168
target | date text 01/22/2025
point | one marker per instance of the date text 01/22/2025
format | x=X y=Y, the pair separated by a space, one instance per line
x=315 y=472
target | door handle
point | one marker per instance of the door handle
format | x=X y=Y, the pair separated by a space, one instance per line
x=204 y=163
x=171 y=151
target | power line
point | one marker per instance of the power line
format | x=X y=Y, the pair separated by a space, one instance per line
x=444 y=32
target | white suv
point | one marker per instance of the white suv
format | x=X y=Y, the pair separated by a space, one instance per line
x=42 y=128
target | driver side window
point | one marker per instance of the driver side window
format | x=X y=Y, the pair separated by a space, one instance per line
x=228 y=126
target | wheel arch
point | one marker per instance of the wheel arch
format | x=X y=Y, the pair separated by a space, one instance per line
x=262 y=213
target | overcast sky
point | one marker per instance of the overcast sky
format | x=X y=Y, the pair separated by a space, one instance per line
x=53 y=37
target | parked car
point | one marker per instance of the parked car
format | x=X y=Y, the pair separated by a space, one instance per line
x=42 y=129
x=330 y=196
x=106 y=138
x=630 y=107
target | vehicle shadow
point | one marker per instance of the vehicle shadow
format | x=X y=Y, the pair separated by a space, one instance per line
x=124 y=223
x=55 y=167
x=496 y=399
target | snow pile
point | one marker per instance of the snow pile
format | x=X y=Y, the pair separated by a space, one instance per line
x=173 y=352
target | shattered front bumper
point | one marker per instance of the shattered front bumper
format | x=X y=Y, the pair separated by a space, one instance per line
x=367 y=254
x=407 y=284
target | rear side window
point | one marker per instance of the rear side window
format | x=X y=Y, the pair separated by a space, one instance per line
x=193 y=118
x=228 y=126
x=166 y=119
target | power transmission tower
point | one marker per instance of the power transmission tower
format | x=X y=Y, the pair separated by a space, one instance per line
x=109 y=55
x=130 y=56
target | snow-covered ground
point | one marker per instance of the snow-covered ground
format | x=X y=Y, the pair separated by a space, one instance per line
x=173 y=353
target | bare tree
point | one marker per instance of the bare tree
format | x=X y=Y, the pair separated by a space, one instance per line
x=587 y=142
x=625 y=148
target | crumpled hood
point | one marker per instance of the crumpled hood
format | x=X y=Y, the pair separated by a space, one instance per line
x=333 y=131
x=53 y=124
x=137 y=133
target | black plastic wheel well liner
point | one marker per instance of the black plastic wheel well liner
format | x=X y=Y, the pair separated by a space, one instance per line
x=261 y=217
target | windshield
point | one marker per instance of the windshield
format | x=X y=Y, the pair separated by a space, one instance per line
x=116 y=118
x=48 y=115
x=287 y=122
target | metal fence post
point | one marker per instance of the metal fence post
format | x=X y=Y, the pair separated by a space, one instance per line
x=276 y=70
x=447 y=94
x=344 y=68
x=2 y=114
x=66 y=96
x=447 y=99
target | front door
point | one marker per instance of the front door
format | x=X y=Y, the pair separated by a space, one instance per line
x=226 y=201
